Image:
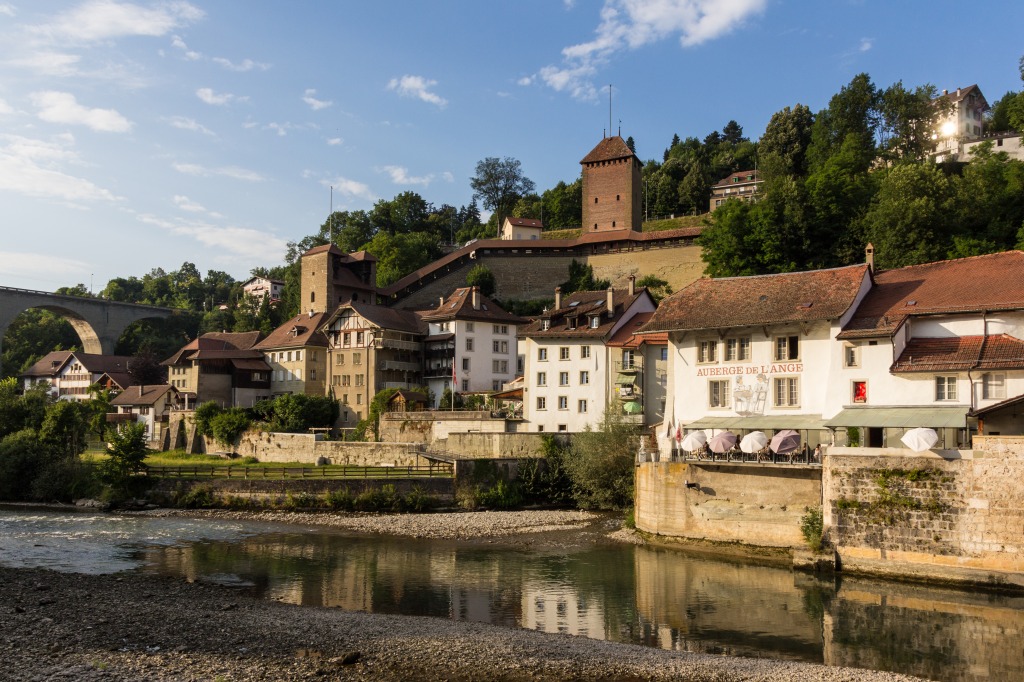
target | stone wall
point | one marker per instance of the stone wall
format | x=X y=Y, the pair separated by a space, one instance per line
x=308 y=449
x=436 y=425
x=276 y=491
x=751 y=505
x=955 y=516
x=493 y=445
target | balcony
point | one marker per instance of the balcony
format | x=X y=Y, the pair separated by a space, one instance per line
x=438 y=372
x=398 y=366
x=398 y=344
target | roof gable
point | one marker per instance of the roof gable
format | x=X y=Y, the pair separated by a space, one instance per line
x=609 y=149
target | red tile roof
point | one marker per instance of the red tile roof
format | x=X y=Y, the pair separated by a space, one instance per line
x=627 y=337
x=961 y=353
x=48 y=365
x=525 y=222
x=300 y=331
x=741 y=179
x=608 y=149
x=993 y=282
x=215 y=341
x=142 y=395
x=760 y=300
x=459 y=306
x=582 y=305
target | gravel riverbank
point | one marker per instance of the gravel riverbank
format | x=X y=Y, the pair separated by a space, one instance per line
x=57 y=626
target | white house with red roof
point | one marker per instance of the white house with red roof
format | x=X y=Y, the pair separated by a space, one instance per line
x=522 y=229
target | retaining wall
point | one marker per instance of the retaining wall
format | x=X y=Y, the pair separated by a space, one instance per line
x=278 y=490
x=758 y=505
x=309 y=449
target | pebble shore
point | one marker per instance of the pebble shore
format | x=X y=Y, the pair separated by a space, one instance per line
x=58 y=626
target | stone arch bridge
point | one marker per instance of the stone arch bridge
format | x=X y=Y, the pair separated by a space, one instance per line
x=98 y=322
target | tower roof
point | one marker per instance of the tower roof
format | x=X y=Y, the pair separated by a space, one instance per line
x=608 y=149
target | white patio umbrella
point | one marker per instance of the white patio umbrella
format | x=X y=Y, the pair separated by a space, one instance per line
x=920 y=439
x=694 y=441
x=753 y=442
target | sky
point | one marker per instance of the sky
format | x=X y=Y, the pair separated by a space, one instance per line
x=137 y=135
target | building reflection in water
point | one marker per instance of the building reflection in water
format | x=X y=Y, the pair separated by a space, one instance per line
x=644 y=595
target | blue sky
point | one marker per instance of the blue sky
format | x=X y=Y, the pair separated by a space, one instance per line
x=136 y=135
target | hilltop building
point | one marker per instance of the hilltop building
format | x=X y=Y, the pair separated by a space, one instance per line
x=611 y=188
x=743 y=185
x=331 y=277
x=522 y=229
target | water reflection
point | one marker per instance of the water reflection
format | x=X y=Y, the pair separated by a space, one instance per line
x=643 y=595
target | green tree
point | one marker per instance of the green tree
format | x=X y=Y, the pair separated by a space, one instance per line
x=499 y=183
x=399 y=254
x=581 y=278
x=65 y=427
x=782 y=148
x=600 y=462
x=126 y=458
x=23 y=456
x=481 y=276
x=907 y=120
x=656 y=286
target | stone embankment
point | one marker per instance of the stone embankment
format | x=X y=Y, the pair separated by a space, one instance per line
x=59 y=626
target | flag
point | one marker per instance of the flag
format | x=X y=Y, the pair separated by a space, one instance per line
x=679 y=434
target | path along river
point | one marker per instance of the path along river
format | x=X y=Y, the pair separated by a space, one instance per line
x=574 y=582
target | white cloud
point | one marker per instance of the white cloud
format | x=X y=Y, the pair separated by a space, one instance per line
x=231 y=242
x=49 y=63
x=5 y=108
x=99 y=20
x=334 y=141
x=61 y=107
x=280 y=128
x=190 y=55
x=242 y=66
x=7 y=9
x=526 y=80
x=34 y=168
x=186 y=204
x=314 y=103
x=418 y=87
x=447 y=176
x=350 y=188
x=29 y=265
x=866 y=44
x=184 y=123
x=400 y=176
x=218 y=99
x=225 y=171
x=632 y=24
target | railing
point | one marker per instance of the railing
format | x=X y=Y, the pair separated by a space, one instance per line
x=738 y=456
x=441 y=470
x=399 y=365
x=398 y=344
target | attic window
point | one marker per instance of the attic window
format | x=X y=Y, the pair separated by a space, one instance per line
x=545 y=324
x=595 y=322
x=805 y=304
x=912 y=302
x=571 y=322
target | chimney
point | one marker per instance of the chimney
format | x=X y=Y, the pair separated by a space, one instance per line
x=945 y=92
x=611 y=301
x=869 y=256
x=475 y=297
x=441 y=303
x=632 y=284
x=958 y=92
x=558 y=297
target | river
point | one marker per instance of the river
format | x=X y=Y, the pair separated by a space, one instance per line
x=626 y=593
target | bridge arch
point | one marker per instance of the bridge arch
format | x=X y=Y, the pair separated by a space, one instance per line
x=98 y=322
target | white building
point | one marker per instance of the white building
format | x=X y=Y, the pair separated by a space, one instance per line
x=524 y=229
x=149 y=405
x=964 y=122
x=71 y=373
x=570 y=371
x=470 y=332
x=258 y=287
x=848 y=356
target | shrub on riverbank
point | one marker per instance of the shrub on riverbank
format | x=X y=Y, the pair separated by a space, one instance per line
x=600 y=463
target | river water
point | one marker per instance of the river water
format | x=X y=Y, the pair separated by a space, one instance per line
x=654 y=597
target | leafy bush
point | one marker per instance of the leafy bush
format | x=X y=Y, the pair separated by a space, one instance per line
x=64 y=480
x=204 y=415
x=127 y=450
x=812 y=528
x=339 y=500
x=300 y=500
x=385 y=498
x=503 y=495
x=418 y=500
x=197 y=497
x=229 y=425
x=600 y=463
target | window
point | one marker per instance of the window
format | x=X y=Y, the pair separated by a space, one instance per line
x=787 y=392
x=357 y=358
x=469 y=327
x=469 y=343
x=298 y=356
x=495 y=385
x=563 y=428
x=706 y=351
x=501 y=329
x=346 y=380
x=584 y=352
x=787 y=348
x=718 y=393
x=312 y=375
x=545 y=324
x=993 y=386
x=359 y=380
x=339 y=359
x=737 y=349
x=595 y=322
x=359 y=338
x=945 y=388
x=584 y=378
x=359 y=398
x=563 y=353
x=860 y=391
x=499 y=367
x=143 y=410
x=540 y=428
x=288 y=356
x=563 y=402
x=581 y=406
x=542 y=354
x=542 y=403
x=347 y=338
x=628 y=359
x=465 y=364
x=664 y=354
x=542 y=378
x=465 y=385
x=563 y=378
x=851 y=356
x=571 y=322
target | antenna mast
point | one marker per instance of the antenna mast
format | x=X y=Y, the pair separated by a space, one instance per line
x=609 y=108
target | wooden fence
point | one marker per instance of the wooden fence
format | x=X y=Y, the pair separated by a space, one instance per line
x=441 y=470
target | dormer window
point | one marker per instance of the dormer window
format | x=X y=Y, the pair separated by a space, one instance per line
x=571 y=322
x=595 y=321
x=545 y=325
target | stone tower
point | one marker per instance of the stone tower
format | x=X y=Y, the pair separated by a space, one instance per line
x=330 y=276
x=611 y=188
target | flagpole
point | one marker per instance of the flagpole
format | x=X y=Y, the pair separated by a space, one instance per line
x=455 y=355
